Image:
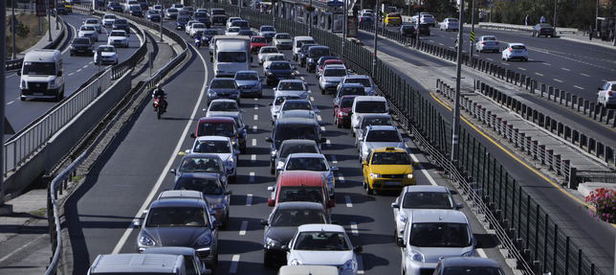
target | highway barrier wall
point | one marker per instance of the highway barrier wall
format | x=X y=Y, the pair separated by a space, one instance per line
x=524 y=228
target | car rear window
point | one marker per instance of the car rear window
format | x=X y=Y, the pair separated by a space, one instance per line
x=518 y=47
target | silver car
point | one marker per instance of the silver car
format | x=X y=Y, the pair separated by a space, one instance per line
x=379 y=136
x=291 y=146
x=487 y=43
x=292 y=86
x=606 y=95
x=331 y=77
x=311 y=162
x=371 y=119
x=364 y=80
x=249 y=83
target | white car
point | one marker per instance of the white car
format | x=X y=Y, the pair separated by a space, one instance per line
x=231 y=19
x=88 y=32
x=449 y=24
x=271 y=57
x=171 y=13
x=279 y=98
x=118 y=38
x=379 y=136
x=296 y=87
x=221 y=105
x=220 y=146
x=290 y=105
x=331 y=77
x=515 y=51
x=487 y=43
x=108 y=20
x=189 y=25
x=267 y=31
x=265 y=50
x=606 y=95
x=420 y=197
x=197 y=27
x=233 y=31
x=364 y=80
x=363 y=105
x=105 y=55
x=311 y=162
x=426 y=18
x=178 y=7
x=323 y=244
x=95 y=23
x=283 y=41
x=431 y=235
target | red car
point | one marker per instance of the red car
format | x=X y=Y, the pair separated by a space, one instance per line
x=310 y=186
x=256 y=42
x=342 y=116
x=217 y=126
x=326 y=61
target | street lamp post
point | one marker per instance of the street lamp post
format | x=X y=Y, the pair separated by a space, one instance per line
x=376 y=36
x=417 y=30
x=13 y=20
x=344 y=28
x=555 y=6
x=310 y=15
x=456 y=109
x=49 y=19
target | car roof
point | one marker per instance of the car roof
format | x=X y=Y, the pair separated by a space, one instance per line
x=170 y=250
x=246 y=72
x=300 y=178
x=206 y=138
x=180 y=194
x=306 y=155
x=320 y=227
x=300 y=205
x=307 y=269
x=367 y=116
x=370 y=98
x=303 y=38
x=298 y=100
x=357 y=76
x=299 y=141
x=516 y=44
x=291 y=80
x=133 y=262
x=469 y=261
x=318 y=46
x=296 y=120
x=425 y=188
x=201 y=155
x=178 y=202
x=389 y=149
x=199 y=176
x=217 y=119
x=438 y=216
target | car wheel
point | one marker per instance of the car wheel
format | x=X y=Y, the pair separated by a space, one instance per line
x=267 y=259
x=22 y=98
x=322 y=91
x=369 y=191
x=338 y=124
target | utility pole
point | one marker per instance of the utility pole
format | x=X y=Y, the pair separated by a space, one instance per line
x=597 y=16
x=555 y=6
x=310 y=15
x=344 y=28
x=376 y=36
x=14 y=19
x=456 y=108
x=162 y=18
x=57 y=15
x=417 y=31
x=48 y=19
x=472 y=39
x=2 y=91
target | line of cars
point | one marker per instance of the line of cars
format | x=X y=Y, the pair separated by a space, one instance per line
x=299 y=231
x=118 y=31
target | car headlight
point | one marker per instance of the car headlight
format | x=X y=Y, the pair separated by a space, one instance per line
x=52 y=84
x=274 y=152
x=204 y=240
x=269 y=242
x=145 y=240
x=416 y=256
x=350 y=265
x=343 y=113
x=375 y=175
x=470 y=253
x=295 y=262
x=233 y=142
x=409 y=176
x=212 y=93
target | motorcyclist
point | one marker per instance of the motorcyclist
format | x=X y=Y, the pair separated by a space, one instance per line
x=159 y=93
x=198 y=39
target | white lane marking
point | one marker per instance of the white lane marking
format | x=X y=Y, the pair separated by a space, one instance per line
x=10 y=102
x=441 y=44
x=243 y=228
x=578 y=87
x=583 y=74
x=71 y=74
x=539 y=74
x=520 y=68
x=234 y=262
x=558 y=80
x=334 y=160
x=253 y=157
x=255 y=99
x=78 y=70
x=354 y=229
x=85 y=66
x=547 y=64
x=254 y=142
x=252 y=177
x=254 y=128
x=256 y=107
x=360 y=264
x=328 y=142
x=248 y=199
x=91 y=62
x=19 y=249
x=302 y=78
x=348 y=201
x=565 y=69
x=481 y=253
x=322 y=128
x=165 y=170
x=489 y=58
x=255 y=117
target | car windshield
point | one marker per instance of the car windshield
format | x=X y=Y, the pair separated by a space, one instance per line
x=391 y=158
x=291 y=131
x=216 y=129
x=335 y=72
x=236 y=57
x=259 y=40
x=224 y=106
x=176 y=217
x=234 y=29
x=275 y=57
x=301 y=193
x=439 y=235
x=382 y=136
x=106 y=49
x=296 y=105
x=288 y=149
x=291 y=86
x=212 y=146
x=218 y=19
x=39 y=68
x=347 y=102
x=427 y=200
x=115 y=33
x=351 y=91
x=207 y=186
x=195 y=165
x=198 y=26
x=375 y=121
x=280 y=66
x=297 y=217
x=283 y=36
x=246 y=76
x=300 y=43
x=240 y=23
x=518 y=47
x=318 y=52
x=311 y=164
x=223 y=84
x=362 y=81
x=91 y=21
x=321 y=241
x=472 y=270
x=81 y=41
x=370 y=107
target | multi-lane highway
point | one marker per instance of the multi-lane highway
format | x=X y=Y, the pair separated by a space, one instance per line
x=127 y=178
x=77 y=70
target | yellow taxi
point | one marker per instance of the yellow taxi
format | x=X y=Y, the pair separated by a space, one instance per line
x=387 y=168
x=393 y=19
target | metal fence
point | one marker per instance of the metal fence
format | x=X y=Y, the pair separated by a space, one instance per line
x=522 y=226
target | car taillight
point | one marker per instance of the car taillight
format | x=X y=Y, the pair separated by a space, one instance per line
x=509 y=49
x=610 y=93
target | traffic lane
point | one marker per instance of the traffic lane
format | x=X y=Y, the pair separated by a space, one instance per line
x=104 y=206
x=77 y=69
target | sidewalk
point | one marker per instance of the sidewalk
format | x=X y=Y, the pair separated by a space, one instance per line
x=24 y=235
x=583 y=38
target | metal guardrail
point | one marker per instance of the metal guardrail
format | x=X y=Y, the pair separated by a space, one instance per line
x=522 y=226
x=512 y=27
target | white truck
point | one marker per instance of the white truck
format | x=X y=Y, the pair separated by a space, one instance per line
x=42 y=75
x=231 y=54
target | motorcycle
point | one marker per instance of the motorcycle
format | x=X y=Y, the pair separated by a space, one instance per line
x=198 y=42
x=160 y=106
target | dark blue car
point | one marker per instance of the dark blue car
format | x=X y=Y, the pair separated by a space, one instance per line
x=180 y=23
x=278 y=70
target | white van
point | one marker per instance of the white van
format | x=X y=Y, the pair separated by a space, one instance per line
x=307 y=269
x=42 y=75
x=231 y=55
x=298 y=41
x=367 y=105
x=133 y=263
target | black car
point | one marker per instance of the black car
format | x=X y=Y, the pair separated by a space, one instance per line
x=543 y=29
x=180 y=23
x=278 y=70
x=82 y=45
x=407 y=30
x=214 y=191
x=294 y=128
x=282 y=225
x=121 y=24
x=314 y=53
x=207 y=35
x=218 y=19
x=115 y=6
x=60 y=9
x=303 y=53
x=135 y=10
x=153 y=15
x=204 y=18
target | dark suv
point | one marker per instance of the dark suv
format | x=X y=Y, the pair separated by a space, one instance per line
x=82 y=45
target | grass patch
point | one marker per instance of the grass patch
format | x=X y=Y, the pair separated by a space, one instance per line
x=27 y=32
x=42 y=212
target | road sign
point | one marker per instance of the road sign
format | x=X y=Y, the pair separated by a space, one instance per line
x=472 y=36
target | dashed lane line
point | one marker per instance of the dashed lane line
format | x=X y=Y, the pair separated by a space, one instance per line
x=558 y=80
x=251 y=177
x=243 y=228
x=565 y=69
x=348 y=201
x=255 y=117
x=253 y=157
x=248 y=199
x=576 y=86
x=539 y=74
x=354 y=229
x=254 y=142
x=254 y=128
x=583 y=74
x=234 y=263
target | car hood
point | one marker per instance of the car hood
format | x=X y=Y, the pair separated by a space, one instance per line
x=221 y=90
x=247 y=82
x=332 y=78
x=434 y=254
x=255 y=44
x=336 y=258
x=214 y=199
x=284 y=40
x=374 y=145
x=391 y=169
x=281 y=72
x=225 y=157
x=283 y=234
x=175 y=236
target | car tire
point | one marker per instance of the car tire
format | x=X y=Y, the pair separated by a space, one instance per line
x=338 y=124
x=267 y=259
x=22 y=98
x=369 y=191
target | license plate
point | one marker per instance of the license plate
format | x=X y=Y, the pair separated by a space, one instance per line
x=391 y=183
x=38 y=94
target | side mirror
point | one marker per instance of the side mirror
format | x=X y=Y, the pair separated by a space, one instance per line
x=192 y=135
x=400 y=242
x=18 y=72
x=271 y=202
x=364 y=162
x=264 y=222
x=322 y=140
x=268 y=139
x=459 y=206
x=172 y=171
x=204 y=109
x=215 y=223
x=187 y=151
x=453 y=192
x=137 y=223
x=358 y=249
x=395 y=205
x=284 y=247
x=334 y=169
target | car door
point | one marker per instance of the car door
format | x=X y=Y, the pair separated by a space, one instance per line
x=365 y=168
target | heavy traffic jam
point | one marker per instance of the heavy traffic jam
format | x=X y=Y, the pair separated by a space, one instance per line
x=179 y=231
